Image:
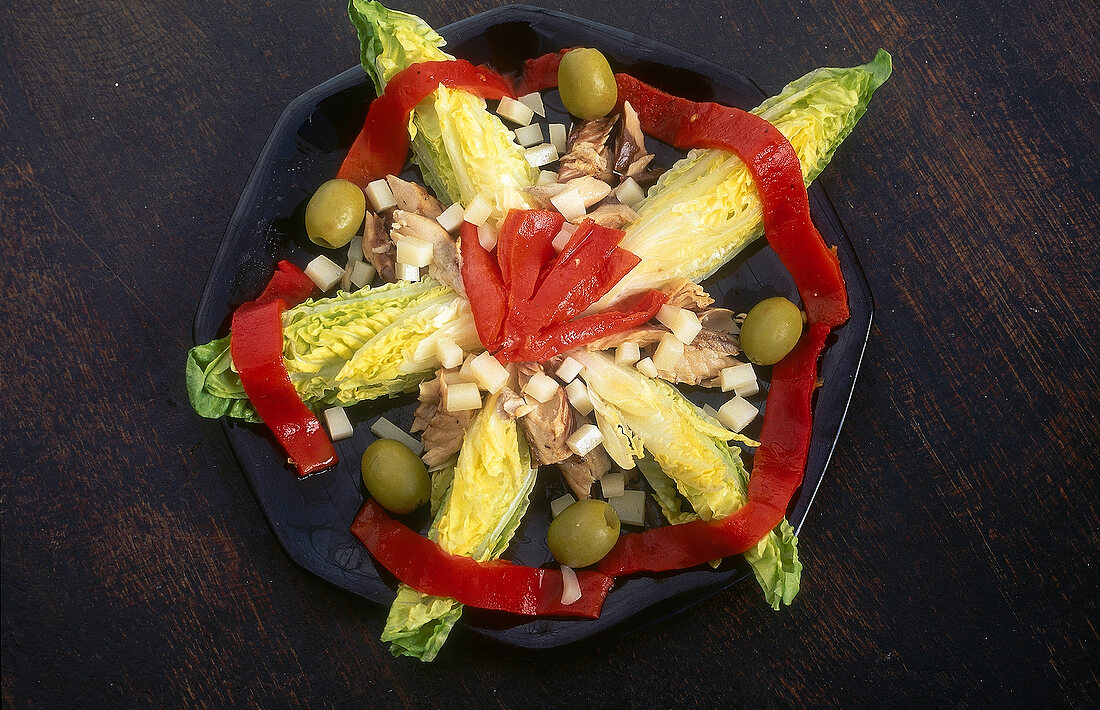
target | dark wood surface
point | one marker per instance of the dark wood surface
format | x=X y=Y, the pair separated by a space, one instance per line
x=951 y=553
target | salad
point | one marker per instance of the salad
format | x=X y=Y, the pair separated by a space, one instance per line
x=550 y=321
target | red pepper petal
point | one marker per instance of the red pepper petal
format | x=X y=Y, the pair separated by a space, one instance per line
x=288 y=283
x=382 y=147
x=497 y=585
x=256 y=346
x=540 y=73
x=484 y=287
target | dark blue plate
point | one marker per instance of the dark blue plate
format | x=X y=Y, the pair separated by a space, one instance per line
x=311 y=517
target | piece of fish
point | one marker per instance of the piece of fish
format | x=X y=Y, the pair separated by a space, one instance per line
x=444 y=266
x=443 y=429
x=704 y=358
x=413 y=197
x=586 y=150
x=549 y=424
x=378 y=248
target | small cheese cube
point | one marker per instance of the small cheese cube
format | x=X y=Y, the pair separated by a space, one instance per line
x=385 y=429
x=449 y=353
x=407 y=272
x=546 y=177
x=629 y=192
x=668 y=352
x=414 y=251
x=380 y=195
x=534 y=102
x=646 y=367
x=613 y=484
x=630 y=507
x=736 y=414
x=336 y=421
x=324 y=272
x=511 y=110
x=489 y=373
x=451 y=219
x=570 y=586
x=563 y=236
x=478 y=211
x=462 y=397
x=557 y=136
x=740 y=379
x=684 y=324
x=584 y=439
x=362 y=274
x=529 y=135
x=467 y=369
x=570 y=203
x=541 y=154
x=627 y=354
x=561 y=503
x=569 y=369
x=540 y=387
x=577 y=394
x=487 y=236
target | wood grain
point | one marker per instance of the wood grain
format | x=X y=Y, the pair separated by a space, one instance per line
x=951 y=552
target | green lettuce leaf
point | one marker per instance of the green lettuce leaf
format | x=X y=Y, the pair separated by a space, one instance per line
x=705 y=209
x=462 y=149
x=481 y=508
x=775 y=564
x=213 y=386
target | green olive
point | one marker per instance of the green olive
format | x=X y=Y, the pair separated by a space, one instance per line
x=586 y=84
x=583 y=533
x=771 y=330
x=395 y=476
x=334 y=213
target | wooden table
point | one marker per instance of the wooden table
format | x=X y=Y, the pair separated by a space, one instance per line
x=951 y=552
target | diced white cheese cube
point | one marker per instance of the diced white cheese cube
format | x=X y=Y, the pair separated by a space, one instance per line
x=629 y=192
x=558 y=137
x=385 y=429
x=613 y=484
x=449 y=353
x=569 y=369
x=489 y=373
x=414 y=251
x=627 y=354
x=668 y=352
x=487 y=235
x=407 y=272
x=336 y=421
x=547 y=177
x=478 y=210
x=462 y=397
x=570 y=586
x=541 y=154
x=380 y=195
x=577 y=394
x=570 y=203
x=467 y=369
x=534 y=102
x=511 y=110
x=630 y=507
x=646 y=367
x=528 y=136
x=559 y=504
x=740 y=379
x=541 y=387
x=684 y=324
x=736 y=414
x=324 y=272
x=362 y=274
x=451 y=219
x=563 y=236
x=584 y=439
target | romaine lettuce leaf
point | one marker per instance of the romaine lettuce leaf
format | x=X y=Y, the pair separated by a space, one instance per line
x=461 y=148
x=481 y=508
x=705 y=209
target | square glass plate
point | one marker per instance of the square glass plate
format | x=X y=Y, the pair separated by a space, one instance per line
x=311 y=517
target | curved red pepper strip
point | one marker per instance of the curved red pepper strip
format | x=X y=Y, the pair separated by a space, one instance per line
x=256 y=346
x=497 y=585
x=484 y=287
x=382 y=146
x=540 y=73
x=780 y=461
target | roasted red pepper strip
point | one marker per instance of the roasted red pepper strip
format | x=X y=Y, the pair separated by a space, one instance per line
x=484 y=287
x=497 y=585
x=383 y=145
x=780 y=461
x=256 y=346
x=540 y=73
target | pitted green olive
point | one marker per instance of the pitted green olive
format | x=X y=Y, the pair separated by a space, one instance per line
x=586 y=84
x=771 y=330
x=395 y=476
x=334 y=213
x=583 y=533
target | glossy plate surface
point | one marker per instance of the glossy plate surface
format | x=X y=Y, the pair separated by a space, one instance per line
x=311 y=517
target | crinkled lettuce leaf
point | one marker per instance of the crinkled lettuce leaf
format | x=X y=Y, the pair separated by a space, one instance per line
x=462 y=149
x=481 y=508
x=345 y=349
x=705 y=209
